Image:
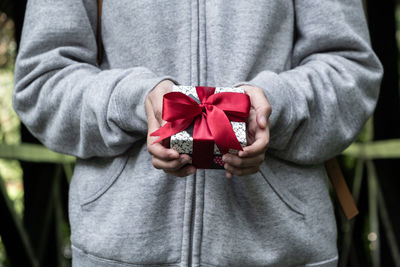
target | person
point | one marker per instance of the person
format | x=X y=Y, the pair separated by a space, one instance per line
x=313 y=81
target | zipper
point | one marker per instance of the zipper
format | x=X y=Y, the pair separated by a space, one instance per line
x=192 y=221
x=192 y=212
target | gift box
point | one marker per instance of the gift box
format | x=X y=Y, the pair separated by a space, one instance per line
x=205 y=122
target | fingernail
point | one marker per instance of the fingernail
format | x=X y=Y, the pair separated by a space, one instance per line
x=183 y=159
x=173 y=154
x=226 y=166
x=263 y=121
x=192 y=170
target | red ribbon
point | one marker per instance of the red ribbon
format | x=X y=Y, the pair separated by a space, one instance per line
x=212 y=121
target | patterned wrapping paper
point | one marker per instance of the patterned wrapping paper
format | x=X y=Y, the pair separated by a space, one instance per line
x=183 y=141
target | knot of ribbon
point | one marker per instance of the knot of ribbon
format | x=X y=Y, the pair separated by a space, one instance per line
x=211 y=117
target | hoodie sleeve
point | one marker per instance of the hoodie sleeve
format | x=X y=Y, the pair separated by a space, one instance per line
x=62 y=96
x=321 y=104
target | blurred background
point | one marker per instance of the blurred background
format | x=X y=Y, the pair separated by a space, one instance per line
x=34 y=228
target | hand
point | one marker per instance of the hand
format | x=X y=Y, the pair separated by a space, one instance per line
x=154 y=99
x=248 y=161
x=163 y=158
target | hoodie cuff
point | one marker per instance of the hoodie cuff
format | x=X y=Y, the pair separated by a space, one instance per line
x=127 y=102
x=279 y=96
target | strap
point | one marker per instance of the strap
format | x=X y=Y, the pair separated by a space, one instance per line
x=99 y=42
x=342 y=191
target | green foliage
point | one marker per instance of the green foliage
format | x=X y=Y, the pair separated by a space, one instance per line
x=7 y=42
x=10 y=170
x=9 y=122
x=3 y=259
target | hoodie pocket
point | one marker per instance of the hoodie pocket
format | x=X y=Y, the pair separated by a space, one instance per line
x=255 y=219
x=99 y=175
x=291 y=201
x=129 y=211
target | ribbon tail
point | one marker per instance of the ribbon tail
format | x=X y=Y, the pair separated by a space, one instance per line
x=203 y=144
x=158 y=132
x=171 y=128
x=163 y=133
x=222 y=131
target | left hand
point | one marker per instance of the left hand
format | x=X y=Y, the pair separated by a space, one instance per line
x=248 y=161
x=166 y=159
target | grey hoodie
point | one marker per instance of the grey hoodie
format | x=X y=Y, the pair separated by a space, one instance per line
x=314 y=62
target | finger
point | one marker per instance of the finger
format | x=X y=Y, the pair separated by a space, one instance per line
x=263 y=111
x=154 y=114
x=152 y=122
x=260 y=103
x=155 y=97
x=148 y=107
x=171 y=165
x=240 y=171
x=228 y=175
x=157 y=111
x=159 y=151
x=185 y=171
x=262 y=117
x=238 y=162
x=259 y=146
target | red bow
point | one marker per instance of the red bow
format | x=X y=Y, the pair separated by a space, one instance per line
x=211 y=118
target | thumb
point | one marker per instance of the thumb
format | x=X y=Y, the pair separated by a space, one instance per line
x=152 y=122
x=261 y=118
x=260 y=104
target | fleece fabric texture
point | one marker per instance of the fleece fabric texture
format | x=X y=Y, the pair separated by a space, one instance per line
x=314 y=62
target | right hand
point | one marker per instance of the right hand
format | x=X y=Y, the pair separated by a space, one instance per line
x=167 y=159
x=249 y=160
